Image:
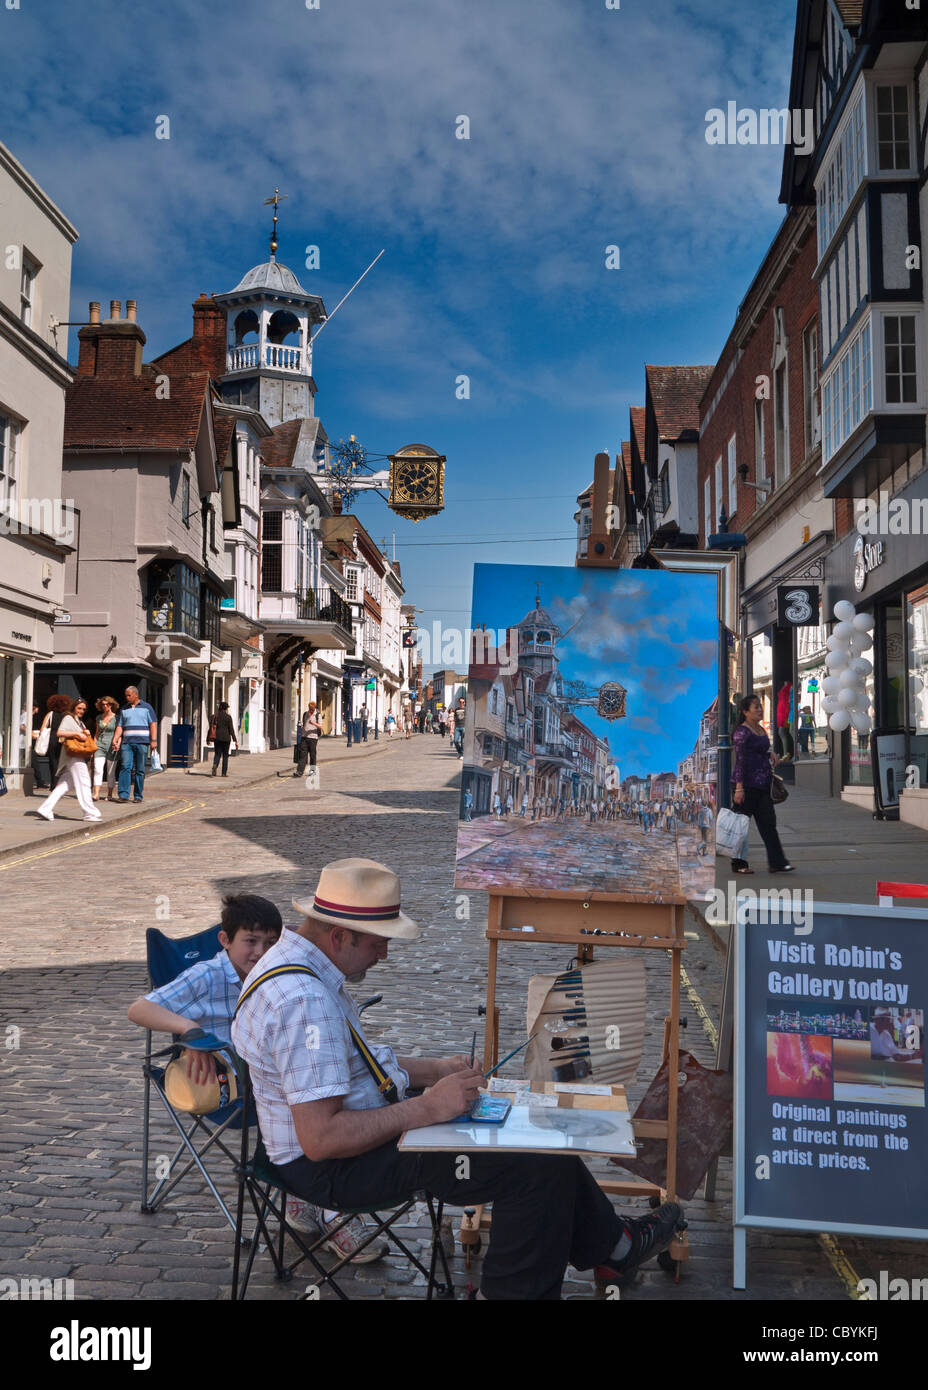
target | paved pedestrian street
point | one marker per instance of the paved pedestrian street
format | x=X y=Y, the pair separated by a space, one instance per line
x=72 y=947
x=569 y=852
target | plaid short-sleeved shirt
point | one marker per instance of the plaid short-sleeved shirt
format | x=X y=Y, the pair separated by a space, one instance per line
x=293 y=1033
x=206 y=994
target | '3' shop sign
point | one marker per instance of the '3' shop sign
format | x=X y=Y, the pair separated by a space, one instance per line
x=798 y=605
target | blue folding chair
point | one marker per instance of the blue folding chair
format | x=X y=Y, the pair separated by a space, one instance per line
x=168 y=958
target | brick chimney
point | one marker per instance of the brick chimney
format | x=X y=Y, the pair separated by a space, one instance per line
x=112 y=348
x=208 y=345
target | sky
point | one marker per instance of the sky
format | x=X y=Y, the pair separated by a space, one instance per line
x=586 y=130
x=653 y=631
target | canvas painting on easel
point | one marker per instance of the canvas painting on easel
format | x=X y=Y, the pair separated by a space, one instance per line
x=589 y=754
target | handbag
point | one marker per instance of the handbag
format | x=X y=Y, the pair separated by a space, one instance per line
x=778 y=790
x=44 y=736
x=211 y=734
x=81 y=745
x=731 y=830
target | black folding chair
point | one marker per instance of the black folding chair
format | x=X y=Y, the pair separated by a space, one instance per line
x=267 y=1193
x=198 y=1135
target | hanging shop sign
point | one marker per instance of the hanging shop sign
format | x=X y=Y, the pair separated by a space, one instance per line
x=798 y=605
x=831 y=1126
x=889 y=760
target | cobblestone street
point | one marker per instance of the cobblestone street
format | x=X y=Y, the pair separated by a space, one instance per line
x=73 y=919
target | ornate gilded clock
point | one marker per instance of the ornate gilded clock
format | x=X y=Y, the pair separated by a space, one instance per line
x=417 y=482
x=611 y=701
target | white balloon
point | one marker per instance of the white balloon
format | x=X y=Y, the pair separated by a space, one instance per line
x=834 y=643
x=863 y=621
x=861 y=722
x=861 y=665
x=831 y=685
x=844 y=611
x=848 y=696
x=836 y=661
x=830 y=704
x=839 y=720
x=844 y=631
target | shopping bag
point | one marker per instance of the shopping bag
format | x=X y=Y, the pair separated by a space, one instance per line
x=155 y=763
x=731 y=831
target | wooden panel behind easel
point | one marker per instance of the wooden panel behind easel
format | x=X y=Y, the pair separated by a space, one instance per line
x=573 y=919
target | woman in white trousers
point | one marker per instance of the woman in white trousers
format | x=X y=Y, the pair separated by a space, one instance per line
x=73 y=770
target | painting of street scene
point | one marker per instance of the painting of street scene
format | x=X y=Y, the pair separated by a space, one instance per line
x=590 y=742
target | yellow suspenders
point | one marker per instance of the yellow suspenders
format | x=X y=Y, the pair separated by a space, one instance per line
x=385 y=1083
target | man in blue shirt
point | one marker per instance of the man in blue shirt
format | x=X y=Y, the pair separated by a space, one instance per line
x=136 y=733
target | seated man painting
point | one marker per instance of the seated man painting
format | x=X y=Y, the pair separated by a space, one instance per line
x=331 y=1106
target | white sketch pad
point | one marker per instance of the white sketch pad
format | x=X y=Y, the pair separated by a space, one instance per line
x=531 y=1129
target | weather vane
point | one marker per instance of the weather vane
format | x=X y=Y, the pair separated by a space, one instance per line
x=277 y=199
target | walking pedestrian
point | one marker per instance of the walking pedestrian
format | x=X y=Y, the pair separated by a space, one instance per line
x=41 y=773
x=136 y=734
x=105 y=760
x=310 y=731
x=497 y=806
x=509 y=803
x=390 y=722
x=524 y=805
x=752 y=776
x=443 y=723
x=468 y=803
x=460 y=718
x=222 y=731
x=705 y=822
x=364 y=723
x=806 y=730
x=76 y=747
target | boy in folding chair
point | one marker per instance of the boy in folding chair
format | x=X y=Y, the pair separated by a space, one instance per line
x=202 y=1000
x=331 y=1107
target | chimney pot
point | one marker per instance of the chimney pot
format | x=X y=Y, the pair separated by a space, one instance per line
x=115 y=308
x=95 y=311
x=131 y=307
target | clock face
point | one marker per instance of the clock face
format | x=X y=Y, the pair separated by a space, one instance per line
x=414 y=480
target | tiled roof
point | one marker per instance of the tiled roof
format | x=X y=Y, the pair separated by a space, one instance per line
x=627 y=459
x=116 y=412
x=637 y=415
x=676 y=393
x=224 y=428
x=278 y=449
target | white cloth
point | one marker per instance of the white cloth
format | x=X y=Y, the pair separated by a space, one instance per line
x=73 y=776
x=99 y=763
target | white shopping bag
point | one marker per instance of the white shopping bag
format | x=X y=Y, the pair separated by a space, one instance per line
x=731 y=833
x=154 y=764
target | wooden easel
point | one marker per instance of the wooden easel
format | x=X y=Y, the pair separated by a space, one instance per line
x=570 y=919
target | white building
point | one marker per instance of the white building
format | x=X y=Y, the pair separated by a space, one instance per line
x=35 y=525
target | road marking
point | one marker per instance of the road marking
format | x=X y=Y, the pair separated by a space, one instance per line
x=74 y=841
x=830 y=1248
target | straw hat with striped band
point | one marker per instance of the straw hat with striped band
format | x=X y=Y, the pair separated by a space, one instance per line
x=362 y=894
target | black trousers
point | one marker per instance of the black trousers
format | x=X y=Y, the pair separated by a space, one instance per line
x=547 y=1212
x=308 y=748
x=759 y=804
x=221 y=750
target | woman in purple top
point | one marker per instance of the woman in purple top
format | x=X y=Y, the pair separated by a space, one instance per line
x=752 y=775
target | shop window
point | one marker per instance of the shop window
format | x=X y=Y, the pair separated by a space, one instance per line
x=892 y=128
x=810 y=386
x=209 y=616
x=174 y=603
x=9 y=463
x=732 y=475
x=900 y=380
x=272 y=552
x=30 y=273
x=780 y=424
x=760 y=451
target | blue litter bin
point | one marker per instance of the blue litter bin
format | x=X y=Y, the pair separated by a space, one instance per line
x=356 y=730
x=181 y=754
